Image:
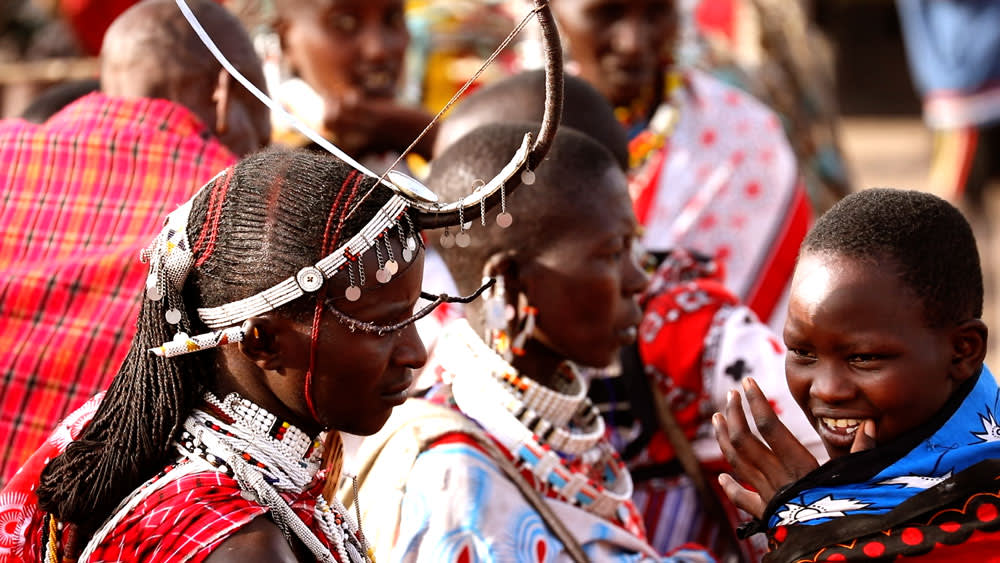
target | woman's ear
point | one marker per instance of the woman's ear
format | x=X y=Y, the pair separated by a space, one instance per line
x=503 y=264
x=968 y=347
x=262 y=343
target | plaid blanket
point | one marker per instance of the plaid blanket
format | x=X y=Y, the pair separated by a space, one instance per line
x=79 y=197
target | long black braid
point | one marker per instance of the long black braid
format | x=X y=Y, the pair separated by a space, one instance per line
x=259 y=227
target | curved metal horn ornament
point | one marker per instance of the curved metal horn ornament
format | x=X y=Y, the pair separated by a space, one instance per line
x=429 y=214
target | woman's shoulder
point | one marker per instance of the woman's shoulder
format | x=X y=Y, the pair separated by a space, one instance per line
x=180 y=519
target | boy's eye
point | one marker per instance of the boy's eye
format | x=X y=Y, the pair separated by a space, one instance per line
x=800 y=354
x=864 y=358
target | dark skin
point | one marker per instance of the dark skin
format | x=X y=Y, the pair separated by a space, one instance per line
x=590 y=261
x=357 y=379
x=622 y=47
x=184 y=72
x=351 y=53
x=863 y=364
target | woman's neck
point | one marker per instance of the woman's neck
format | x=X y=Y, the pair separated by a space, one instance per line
x=539 y=362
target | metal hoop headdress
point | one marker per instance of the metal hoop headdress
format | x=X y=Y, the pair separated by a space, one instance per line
x=411 y=200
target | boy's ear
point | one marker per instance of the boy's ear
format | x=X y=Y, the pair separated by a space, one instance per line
x=968 y=347
x=262 y=343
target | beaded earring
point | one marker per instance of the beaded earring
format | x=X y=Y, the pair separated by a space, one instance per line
x=517 y=347
x=495 y=317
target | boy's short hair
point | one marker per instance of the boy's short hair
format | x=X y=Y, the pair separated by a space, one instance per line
x=926 y=238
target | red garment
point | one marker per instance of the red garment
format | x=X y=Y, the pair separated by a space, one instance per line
x=726 y=184
x=90 y=19
x=81 y=195
x=184 y=520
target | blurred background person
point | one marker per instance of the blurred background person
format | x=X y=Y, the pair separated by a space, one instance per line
x=339 y=66
x=953 y=48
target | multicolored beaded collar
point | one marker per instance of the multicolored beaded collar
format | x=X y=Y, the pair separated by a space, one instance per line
x=567 y=452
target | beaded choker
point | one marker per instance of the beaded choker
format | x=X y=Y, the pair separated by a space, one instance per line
x=286 y=456
x=571 y=457
x=266 y=456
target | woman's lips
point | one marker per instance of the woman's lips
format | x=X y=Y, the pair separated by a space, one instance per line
x=398 y=393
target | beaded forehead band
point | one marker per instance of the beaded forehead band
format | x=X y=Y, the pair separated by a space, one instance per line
x=411 y=208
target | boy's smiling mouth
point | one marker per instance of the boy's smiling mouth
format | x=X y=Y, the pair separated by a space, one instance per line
x=846 y=426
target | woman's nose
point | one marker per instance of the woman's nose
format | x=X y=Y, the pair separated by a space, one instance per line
x=410 y=351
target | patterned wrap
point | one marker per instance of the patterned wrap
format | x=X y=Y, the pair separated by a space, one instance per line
x=933 y=492
x=81 y=196
x=184 y=520
x=456 y=503
x=727 y=185
x=696 y=342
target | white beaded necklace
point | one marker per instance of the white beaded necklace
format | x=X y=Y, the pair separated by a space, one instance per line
x=482 y=392
x=266 y=455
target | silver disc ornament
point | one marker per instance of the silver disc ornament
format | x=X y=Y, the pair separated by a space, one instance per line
x=353 y=293
x=505 y=220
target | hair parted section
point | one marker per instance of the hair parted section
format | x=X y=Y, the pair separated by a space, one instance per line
x=250 y=229
x=566 y=181
x=926 y=239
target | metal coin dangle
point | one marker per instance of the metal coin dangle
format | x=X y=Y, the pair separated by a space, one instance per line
x=447 y=239
x=527 y=177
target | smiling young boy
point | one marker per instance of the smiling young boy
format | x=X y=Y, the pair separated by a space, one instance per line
x=886 y=351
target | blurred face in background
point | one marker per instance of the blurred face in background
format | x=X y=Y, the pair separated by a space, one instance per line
x=621 y=46
x=345 y=49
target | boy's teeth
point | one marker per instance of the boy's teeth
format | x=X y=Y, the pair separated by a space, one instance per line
x=842 y=422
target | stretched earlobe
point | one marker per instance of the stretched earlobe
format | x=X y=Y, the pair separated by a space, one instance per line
x=261 y=343
x=968 y=348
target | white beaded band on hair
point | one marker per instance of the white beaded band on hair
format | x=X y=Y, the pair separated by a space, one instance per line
x=310 y=278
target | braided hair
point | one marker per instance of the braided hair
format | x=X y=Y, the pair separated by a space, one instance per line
x=250 y=228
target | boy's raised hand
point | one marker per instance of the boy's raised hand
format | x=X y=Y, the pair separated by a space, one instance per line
x=764 y=467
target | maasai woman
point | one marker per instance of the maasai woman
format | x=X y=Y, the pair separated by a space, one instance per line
x=886 y=360
x=278 y=305
x=523 y=453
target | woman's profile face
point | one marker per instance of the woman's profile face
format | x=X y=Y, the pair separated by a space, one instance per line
x=585 y=282
x=347 y=48
x=359 y=377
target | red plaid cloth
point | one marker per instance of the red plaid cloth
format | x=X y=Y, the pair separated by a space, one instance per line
x=81 y=195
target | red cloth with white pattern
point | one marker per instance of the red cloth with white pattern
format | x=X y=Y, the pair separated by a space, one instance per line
x=80 y=196
x=727 y=185
x=696 y=343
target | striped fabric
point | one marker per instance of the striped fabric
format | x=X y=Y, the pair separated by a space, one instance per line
x=81 y=195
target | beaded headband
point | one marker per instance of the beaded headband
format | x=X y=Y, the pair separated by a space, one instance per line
x=412 y=205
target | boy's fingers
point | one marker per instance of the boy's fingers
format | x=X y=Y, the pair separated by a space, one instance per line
x=741 y=496
x=796 y=458
x=864 y=437
x=744 y=466
x=750 y=446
